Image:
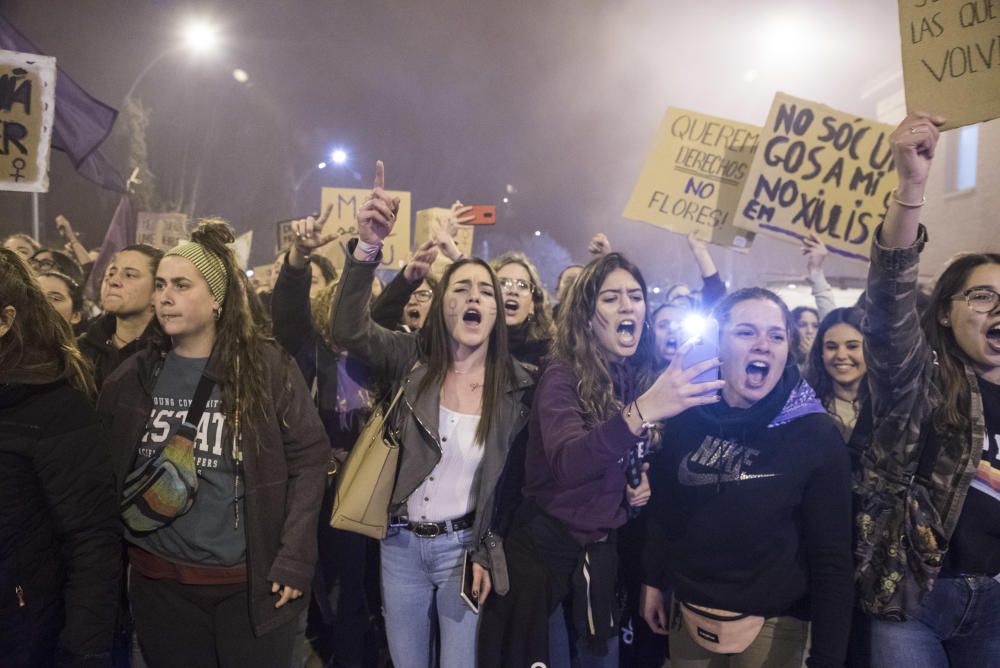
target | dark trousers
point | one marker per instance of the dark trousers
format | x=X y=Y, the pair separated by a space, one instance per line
x=181 y=626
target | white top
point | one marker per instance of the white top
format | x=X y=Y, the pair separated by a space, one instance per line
x=449 y=491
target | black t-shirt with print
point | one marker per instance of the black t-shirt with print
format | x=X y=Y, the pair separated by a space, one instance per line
x=975 y=546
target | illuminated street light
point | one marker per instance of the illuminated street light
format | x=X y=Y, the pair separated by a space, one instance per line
x=200 y=36
x=338 y=156
x=241 y=76
x=321 y=165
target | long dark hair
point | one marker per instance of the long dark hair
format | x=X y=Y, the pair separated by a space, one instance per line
x=953 y=411
x=576 y=347
x=434 y=346
x=240 y=339
x=40 y=343
x=816 y=373
x=723 y=312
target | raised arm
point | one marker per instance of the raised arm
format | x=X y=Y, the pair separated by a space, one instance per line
x=713 y=288
x=388 y=354
x=895 y=349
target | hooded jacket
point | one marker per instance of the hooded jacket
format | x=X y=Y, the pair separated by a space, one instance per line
x=751 y=512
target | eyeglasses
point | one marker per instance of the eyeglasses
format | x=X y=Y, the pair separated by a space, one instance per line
x=980 y=300
x=516 y=285
x=423 y=296
x=42 y=265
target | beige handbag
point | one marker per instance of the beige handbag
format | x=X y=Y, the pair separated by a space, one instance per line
x=720 y=631
x=365 y=483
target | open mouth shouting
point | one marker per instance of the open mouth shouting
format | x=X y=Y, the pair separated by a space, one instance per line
x=472 y=318
x=627 y=333
x=757 y=372
x=510 y=307
x=993 y=337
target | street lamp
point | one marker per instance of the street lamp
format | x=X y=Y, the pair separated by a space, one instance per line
x=198 y=37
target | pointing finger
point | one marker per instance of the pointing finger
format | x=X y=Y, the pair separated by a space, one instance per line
x=379 y=174
x=326 y=214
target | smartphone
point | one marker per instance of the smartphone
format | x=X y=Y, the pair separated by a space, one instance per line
x=706 y=332
x=466 y=592
x=482 y=214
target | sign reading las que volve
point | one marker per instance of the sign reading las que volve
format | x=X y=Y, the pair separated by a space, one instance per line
x=819 y=171
x=27 y=108
x=693 y=176
x=951 y=58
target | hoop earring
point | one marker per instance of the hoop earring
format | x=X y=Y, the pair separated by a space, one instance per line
x=217 y=313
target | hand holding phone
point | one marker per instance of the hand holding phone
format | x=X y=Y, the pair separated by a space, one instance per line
x=691 y=379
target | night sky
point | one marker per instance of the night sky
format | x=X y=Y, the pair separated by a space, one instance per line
x=558 y=99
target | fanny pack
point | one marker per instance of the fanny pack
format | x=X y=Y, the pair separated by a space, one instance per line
x=164 y=488
x=720 y=631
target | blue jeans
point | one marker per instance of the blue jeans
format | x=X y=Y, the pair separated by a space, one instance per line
x=421 y=580
x=958 y=625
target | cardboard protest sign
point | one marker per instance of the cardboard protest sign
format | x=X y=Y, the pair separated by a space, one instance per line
x=951 y=58
x=261 y=276
x=426 y=220
x=424 y=224
x=342 y=223
x=693 y=176
x=819 y=171
x=241 y=248
x=27 y=110
x=161 y=230
x=286 y=237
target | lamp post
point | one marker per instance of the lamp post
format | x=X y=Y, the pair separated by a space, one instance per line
x=197 y=37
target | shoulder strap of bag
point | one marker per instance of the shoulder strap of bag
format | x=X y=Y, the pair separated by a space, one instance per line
x=198 y=403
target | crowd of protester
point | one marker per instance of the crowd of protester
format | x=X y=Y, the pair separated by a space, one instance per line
x=573 y=488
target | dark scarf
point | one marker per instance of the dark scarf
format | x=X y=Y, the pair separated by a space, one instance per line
x=790 y=399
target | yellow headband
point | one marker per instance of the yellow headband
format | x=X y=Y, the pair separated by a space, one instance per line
x=208 y=265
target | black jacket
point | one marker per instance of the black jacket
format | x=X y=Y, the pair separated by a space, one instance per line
x=294 y=329
x=285 y=453
x=60 y=537
x=97 y=345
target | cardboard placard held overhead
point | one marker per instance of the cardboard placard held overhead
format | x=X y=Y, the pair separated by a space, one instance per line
x=286 y=237
x=951 y=58
x=161 y=230
x=343 y=223
x=241 y=248
x=819 y=171
x=693 y=176
x=27 y=111
x=425 y=221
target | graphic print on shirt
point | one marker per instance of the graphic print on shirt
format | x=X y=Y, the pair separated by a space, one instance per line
x=987 y=478
x=719 y=460
x=167 y=415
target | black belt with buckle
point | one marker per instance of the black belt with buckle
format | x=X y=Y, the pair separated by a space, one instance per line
x=434 y=529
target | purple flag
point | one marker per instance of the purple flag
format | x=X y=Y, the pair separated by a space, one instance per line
x=82 y=122
x=121 y=233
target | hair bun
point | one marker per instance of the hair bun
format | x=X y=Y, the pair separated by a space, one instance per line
x=213 y=232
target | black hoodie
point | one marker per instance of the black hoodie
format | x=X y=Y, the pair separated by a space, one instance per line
x=751 y=513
